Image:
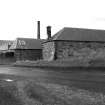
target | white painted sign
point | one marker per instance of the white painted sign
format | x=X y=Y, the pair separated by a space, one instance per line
x=22 y=43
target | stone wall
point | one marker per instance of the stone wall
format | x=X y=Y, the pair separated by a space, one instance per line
x=48 y=51
x=29 y=54
x=88 y=50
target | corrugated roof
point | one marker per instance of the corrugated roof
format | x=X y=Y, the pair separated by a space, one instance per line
x=27 y=43
x=4 y=44
x=80 y=34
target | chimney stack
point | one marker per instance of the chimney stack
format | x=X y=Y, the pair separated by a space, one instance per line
x=49 y=32
x=38 y=29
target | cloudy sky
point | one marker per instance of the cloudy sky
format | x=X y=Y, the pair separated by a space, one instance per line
x=18 y=17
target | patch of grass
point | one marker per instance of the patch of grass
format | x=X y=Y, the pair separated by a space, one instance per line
x=41 y=94
x=9 y=94
x=32 y=92
x=75 y=96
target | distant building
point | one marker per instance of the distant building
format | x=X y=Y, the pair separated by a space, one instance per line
x=26 y=49
x=75 y=43
x=5 y=44
x=21 y=49
x=5 y=56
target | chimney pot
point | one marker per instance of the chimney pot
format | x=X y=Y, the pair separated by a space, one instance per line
x=49 y=32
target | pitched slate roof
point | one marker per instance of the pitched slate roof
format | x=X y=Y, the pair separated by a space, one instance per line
x=80 y=34
x=4 y=44
x=27 y=43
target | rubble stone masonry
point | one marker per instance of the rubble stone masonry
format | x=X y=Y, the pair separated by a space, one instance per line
x=67 y=49
x=73 y=49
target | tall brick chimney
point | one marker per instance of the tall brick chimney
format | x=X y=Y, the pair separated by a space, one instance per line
x=38 y=29
x=49 y=32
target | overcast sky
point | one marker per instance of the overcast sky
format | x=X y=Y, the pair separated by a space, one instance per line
x=18 y=17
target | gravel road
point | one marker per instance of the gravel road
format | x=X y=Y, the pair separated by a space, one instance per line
x=90 y=80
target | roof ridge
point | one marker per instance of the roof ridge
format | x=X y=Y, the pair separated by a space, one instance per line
x=84 y=28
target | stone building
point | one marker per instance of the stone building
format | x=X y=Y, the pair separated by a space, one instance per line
x=78 y=43
x=26 y=49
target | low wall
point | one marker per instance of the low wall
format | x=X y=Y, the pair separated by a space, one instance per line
x=7 y=60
